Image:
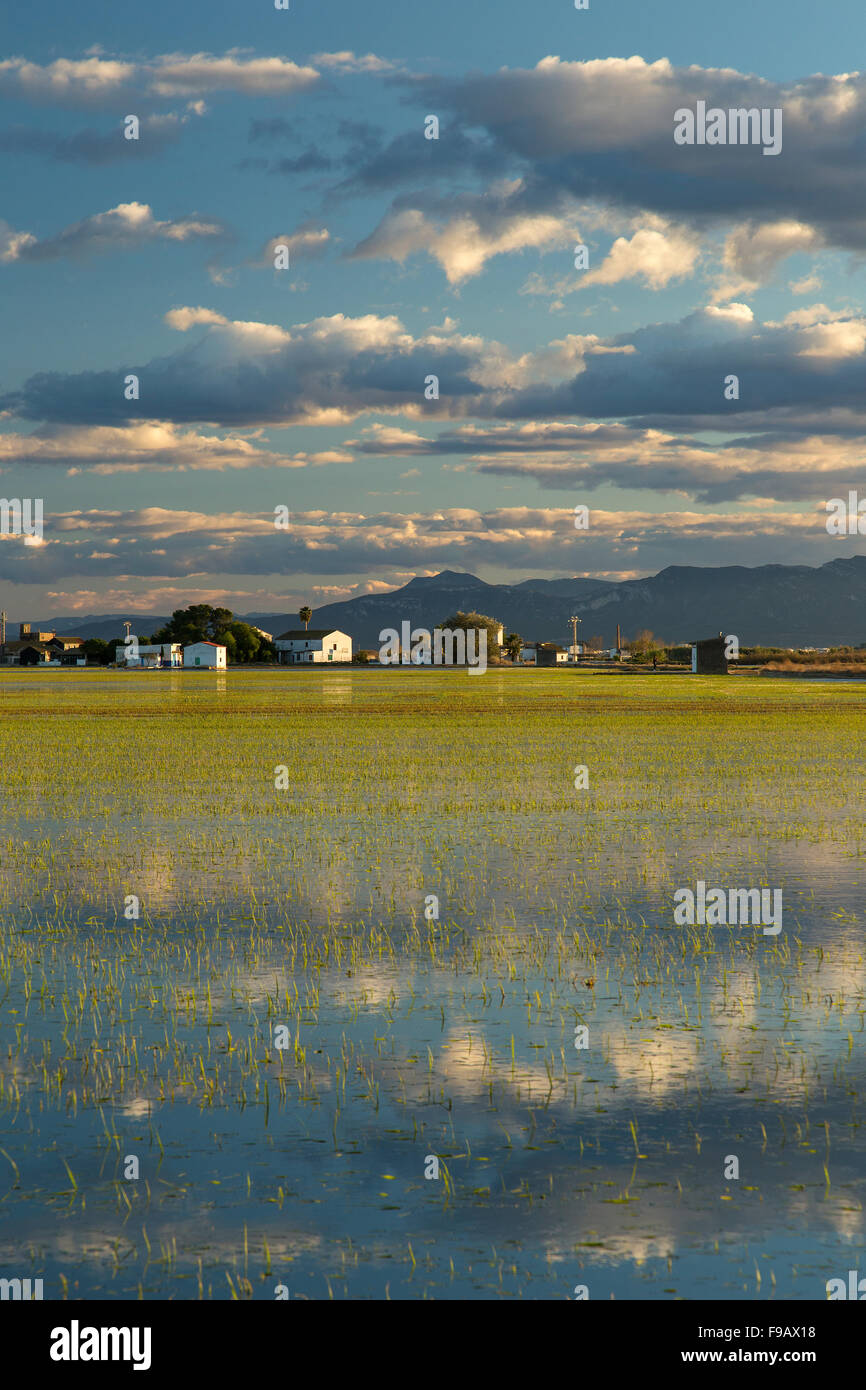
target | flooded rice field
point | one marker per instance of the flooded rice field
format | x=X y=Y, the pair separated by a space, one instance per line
x=369 y=985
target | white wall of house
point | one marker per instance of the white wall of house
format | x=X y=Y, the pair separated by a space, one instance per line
x=204 y=655
x=334 y=646
x=160 y=654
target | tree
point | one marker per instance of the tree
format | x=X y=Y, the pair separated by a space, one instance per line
x=247 y=641
x=642 y=646
x=595 y=643
x=305 y=615
x=198 y=623
x=489 y=626
x=97 y=651
x=513 y=644
x=646 y=646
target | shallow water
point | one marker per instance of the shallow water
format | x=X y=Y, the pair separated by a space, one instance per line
x=410 y=1039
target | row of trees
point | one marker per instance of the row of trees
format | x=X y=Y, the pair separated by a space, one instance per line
x=199 y=623
x=203 y=623
x=834 y=656
x=644 y=647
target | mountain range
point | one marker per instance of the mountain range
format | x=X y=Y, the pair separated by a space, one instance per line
x=776 y=605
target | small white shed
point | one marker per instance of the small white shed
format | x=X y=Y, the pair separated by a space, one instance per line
x=206 y=656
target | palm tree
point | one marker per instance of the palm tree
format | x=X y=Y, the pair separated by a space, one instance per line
x=513 y=643
x=305 y=615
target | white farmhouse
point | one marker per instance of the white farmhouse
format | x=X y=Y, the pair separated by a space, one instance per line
x=150 y=657
x=543 y=654
x=298 y=646
x=208 y=656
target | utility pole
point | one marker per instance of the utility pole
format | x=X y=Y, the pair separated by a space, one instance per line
x=618 y=644
x=3 y=628
x=574 y=622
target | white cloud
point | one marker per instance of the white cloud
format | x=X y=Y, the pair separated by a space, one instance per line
x=153 y=446
x=835 y=340
x=346 y=61
x=813 y=313
x=655 y=255
x=86 y=78
x=124 y=227
x=734 y=313
x=752 y=251
x=807 y=285
x=13 y=244
x=464 y=242
x=97 y=80
x=824 y=332
x=185 y=318
x=304 y=244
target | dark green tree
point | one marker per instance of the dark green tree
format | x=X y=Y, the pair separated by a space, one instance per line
x=488 y=626
x=99 y=653
x=513 y=643
x=245 y=643
x=198 y=623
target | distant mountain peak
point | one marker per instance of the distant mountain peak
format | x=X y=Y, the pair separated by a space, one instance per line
x=446 y=579
x=780 y=605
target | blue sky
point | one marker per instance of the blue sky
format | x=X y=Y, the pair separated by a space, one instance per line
x=408 y=257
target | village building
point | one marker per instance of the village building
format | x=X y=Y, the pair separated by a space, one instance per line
x=11 y=651
x=543 y=654
x=319 y=644
x=205 y=656
x=40 y=649
x=68 y=650
x=35 y=654
x=708 y=656
x=162 y=655
x=550 y=654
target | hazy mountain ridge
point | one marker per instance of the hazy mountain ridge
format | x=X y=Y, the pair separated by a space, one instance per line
x=781 y=605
